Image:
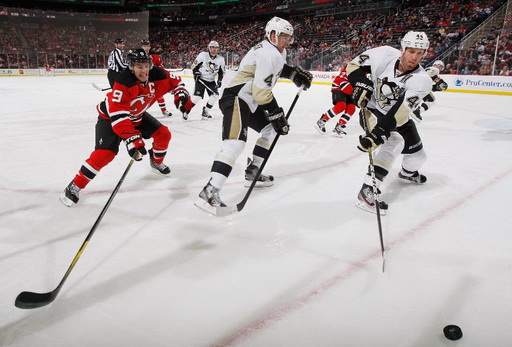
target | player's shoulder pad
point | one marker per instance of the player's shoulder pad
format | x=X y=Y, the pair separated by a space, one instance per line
x=126 y=78
x=157 y=74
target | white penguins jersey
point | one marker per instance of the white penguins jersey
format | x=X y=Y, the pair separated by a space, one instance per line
x=390 y=85
x=211 y=66
x=257 y=74
x=433 y=72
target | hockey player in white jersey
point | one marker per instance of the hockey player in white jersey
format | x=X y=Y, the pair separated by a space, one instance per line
x=389 y=85
x=247 y=101
x=438 y=85
x=208 y=66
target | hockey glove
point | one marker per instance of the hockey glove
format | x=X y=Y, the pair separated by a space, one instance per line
x=301 y=77
x=135 y=147
x=363 y=90
x=182 y=101
x=374 y=139
x=416 y=115
x=197 y=76
x=440 y=85
x=278 y=121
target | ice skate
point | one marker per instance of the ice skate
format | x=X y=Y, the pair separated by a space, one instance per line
x=209 y=199
x=339 y=131
x=184 y=115
x=71 y=195
x=415 y=177
x=166 y=113
x=366 y=200
x=206 y=114
x=250 y=174
x=320 y=126
x=161 y=169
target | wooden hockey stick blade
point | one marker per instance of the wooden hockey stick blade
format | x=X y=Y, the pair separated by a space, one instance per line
x=95 y=86
x=28 y=300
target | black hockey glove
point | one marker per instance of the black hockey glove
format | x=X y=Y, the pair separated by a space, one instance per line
x=440 y=85
x=363 y=90
x=196 y=72
x=197 y=76
x=182 y=100
x=416 y=115
x=135 y=147
x=298 y=75
x=374 y=139
x=301 y=77
x=278 y=121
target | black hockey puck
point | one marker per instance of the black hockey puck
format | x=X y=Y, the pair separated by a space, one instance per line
x=452 y=332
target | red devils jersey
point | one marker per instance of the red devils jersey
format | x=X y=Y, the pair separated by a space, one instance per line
x=130 y=98
x=157 y=61
x=341 y=83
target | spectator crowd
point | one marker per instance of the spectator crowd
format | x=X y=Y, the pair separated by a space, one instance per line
x=87 y=42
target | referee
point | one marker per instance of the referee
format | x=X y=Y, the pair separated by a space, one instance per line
x=116 y=61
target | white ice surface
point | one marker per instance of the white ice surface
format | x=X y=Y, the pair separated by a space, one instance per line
x=299 y=266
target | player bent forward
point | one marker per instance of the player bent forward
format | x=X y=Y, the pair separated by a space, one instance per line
x=248 y=101
x=123 y=117
x=397 y=87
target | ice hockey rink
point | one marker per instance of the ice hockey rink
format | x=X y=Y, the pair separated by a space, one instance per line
x=300 y=265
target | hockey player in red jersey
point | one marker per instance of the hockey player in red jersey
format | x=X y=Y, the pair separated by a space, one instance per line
x=123 y=117
x=157 y=61
x=341 y=91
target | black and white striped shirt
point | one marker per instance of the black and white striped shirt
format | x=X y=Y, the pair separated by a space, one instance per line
x=116 y=60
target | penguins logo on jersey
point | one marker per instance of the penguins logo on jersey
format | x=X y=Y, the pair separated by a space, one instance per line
x=212 y=67
x=387 y=92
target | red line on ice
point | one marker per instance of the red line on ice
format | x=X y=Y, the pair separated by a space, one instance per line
x=302 y=300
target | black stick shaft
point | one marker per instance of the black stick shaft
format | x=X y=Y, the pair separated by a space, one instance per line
x=34 y=300
x=375 y=193
x=242 y=203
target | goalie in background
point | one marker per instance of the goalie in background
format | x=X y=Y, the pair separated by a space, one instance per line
x=248 y=102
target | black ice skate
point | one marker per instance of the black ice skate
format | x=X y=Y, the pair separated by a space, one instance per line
x=250 y=174
x=366 y=200
x=339 y=131
x=415 y=176
x=70 y=196
x=320 y=126
x=161 y=169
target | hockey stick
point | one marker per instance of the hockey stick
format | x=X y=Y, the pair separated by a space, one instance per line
x=375 y=192
x=227 y=210
x=210 y=89
x=26 y=300
x=176 y=70
x=95 y=86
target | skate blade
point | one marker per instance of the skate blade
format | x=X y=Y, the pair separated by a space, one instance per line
x=363 y=206
x=220 y=211
x=319 y=130
x=65 y=201
x=161 y=174
x=259 y=184
x=338 y=135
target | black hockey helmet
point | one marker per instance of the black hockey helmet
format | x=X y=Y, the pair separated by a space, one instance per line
x=144 y=42
x=138 y=55
x=118 y=40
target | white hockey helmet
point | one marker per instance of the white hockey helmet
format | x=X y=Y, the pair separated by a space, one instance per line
x=415 y=39
x=439 y=64
x=213 y=44
x=280 y=26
